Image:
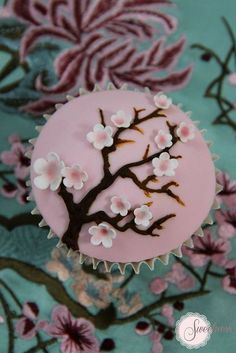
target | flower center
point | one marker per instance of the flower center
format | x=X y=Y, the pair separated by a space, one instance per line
x=185 y=131
x=119 y=120
x=104 y=231
x=101 y=136
x=52 y=170
x=164 y=165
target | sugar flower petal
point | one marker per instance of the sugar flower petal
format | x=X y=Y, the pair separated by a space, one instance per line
x=164 y=165
x=162 y=101
x=101 y=136
x=102 y=234
x=121 y=119
x=185 y=131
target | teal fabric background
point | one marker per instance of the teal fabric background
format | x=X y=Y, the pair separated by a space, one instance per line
x=201 y=22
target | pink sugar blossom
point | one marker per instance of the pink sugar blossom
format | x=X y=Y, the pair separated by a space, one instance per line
x=185 y=131
x=121 y=119
x=167 y=311
x=77 y=335
x=102 y=234
x=101 y=136
x=162 y=101
x=163 y=139
x=227 y=223
x=232 y=78
x=49 y=171
x=208 y=249
x=120 y=205
x=158 y=285
x=143 y=215
x=74 y=177
x=164 y=165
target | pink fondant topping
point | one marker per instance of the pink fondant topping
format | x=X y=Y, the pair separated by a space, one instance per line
x=164 y=165
x=74 y=177
x=121 y=119
x=181 y=201
x=143 y=216
x=49 y=171
x=101 y=136
x=162 y=101
x=102 y=234
x=120 y=205
x=163 y=139
x=185 y=131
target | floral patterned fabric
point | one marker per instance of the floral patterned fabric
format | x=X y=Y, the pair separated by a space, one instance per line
x=48 y=303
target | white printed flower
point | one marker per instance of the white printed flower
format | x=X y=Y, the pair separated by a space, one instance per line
x=49 y=171
x=121 y=119
x=102 y=234
x=120 y=205
x=74 y=177
x=185 y=131
x=101 y=136
x=162 y=101
x=163 y=139
x=143 y=215
x=164 y=165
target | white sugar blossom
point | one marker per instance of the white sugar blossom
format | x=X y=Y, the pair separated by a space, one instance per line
x=162 y=101
x=49 y=171
x=164 y=165
x=185 y=131
x=120 y=205
x=163 y=139
x=143 y=215
x=102 y=234
x=121 y=119
x=101 y=136
x=74 y=177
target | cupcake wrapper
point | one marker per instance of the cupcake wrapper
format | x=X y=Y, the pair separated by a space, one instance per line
x=136 y=266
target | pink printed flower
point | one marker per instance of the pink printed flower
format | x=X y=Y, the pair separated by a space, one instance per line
x=27 y=326
x=101 y=136
x=18 y=190
x=164 y=165
x=16 y=158
x=232 y=79
x=179 y=277
x=143 y=215
x=228 y=194
x=227 y=223
x=120 y=205
x=77 y=335
x=208 y=249
x=143 y=328
x=74 y=177
x=102 y=234
x=167 y=311
x=185 y=131
x=121 y=119
x=229 y=281
x=1 y=320
x=162 y=101
x=156 y=342
x=49 y=171
x=163 y=139
x=158 y=285
x=100 y=46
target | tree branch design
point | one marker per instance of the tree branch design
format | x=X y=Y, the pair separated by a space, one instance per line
x=79 y=213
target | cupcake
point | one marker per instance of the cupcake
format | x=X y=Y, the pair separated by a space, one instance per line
x=122 y=177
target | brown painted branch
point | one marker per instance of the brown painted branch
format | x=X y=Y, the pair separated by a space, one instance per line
x=143 y=186
x=99 y=216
